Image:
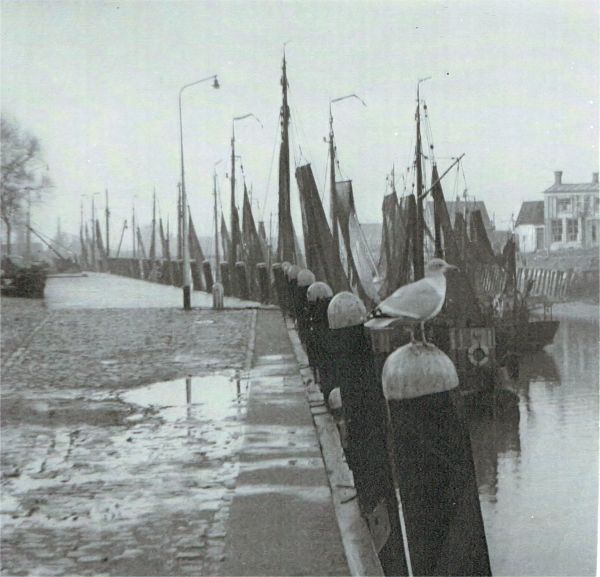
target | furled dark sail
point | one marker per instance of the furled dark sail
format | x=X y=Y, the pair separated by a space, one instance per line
x=91 y=248
x=235 y=250
x=394 y=248
x=152 y=254
x=437 y=221
x=321 y=257
x=100 y=247
x=166 y=253
x=196 y=252
x=99 y=243
x=225 y=239
x=140 y=243
x=84 y=253
x=462 y=238
x=480 y=239
x=264 y=242
x=361 y=269
x=461 y=301
x=491 y=274
x=509 y=258
x=251 y=243
x=286 y=249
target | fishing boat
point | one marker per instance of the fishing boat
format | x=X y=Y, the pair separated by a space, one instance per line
x=518 y=328
x=461 y=330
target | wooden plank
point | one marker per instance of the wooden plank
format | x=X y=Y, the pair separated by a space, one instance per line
x=545 y=282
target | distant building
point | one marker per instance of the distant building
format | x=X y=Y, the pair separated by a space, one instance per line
x=529 y=228
x=572 y=214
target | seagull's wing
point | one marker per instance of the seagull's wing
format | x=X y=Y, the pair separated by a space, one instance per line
x=418 y=301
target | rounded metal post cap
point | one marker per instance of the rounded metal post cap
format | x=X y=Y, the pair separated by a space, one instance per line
x=346 y=310
x=240 y=264
x=305 y=278
x=261 y=265
x=318 y=290
x=335 y=399
x=205 y=261
x=285 y=265
x=292 y=272
x=276 y=266
x=416 y=370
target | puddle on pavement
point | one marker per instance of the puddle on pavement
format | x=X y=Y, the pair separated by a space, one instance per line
x=211 y=396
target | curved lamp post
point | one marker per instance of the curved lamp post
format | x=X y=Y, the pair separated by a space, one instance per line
x=187 y=281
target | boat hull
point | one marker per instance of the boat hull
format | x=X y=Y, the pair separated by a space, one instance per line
x=532 y=335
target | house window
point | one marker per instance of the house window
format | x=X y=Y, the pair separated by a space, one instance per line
x=564 y=204
x=596 y=204
x=556 y=230
x=572 y=229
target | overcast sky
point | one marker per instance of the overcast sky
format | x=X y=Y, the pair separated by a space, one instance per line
x=514 y=85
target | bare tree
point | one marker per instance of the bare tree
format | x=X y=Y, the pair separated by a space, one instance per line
x=23 y=172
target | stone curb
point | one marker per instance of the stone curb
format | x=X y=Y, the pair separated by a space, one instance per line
x=356 y=539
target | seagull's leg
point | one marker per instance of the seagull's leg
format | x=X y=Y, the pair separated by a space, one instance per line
x=411 y=330
x=423 y=339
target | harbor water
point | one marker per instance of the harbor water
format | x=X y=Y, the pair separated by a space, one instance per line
x=537 y=458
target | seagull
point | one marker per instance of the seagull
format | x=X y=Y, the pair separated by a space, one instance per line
x=419 y=301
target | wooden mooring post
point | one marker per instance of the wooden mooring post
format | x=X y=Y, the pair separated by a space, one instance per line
x=208 y=276
x=292 y=286
x=241 y=274
x=434 y=464
x=304 y=280
x=262 y=274
x=318 y=297
x=225 y=280
x=364 y=412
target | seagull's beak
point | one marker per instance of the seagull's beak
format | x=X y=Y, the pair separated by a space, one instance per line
x=451 y=267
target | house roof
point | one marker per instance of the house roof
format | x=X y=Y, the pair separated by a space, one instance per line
x=566 y=187
x=532 y=212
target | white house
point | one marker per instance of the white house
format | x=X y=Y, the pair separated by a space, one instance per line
x=529 y=228
x=572 y=214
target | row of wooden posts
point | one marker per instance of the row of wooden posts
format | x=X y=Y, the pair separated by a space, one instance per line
x=401 y=428
x=170 y=272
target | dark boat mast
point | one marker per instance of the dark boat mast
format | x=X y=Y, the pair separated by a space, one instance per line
x=153 y=238
x=286 y=250
x=418 y=246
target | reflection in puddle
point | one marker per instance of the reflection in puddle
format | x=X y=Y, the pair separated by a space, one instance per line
x=211 y=396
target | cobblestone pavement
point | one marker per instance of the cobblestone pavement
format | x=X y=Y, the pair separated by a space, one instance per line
x=97 y=476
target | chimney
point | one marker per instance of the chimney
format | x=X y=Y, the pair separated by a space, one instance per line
x=594 y=178
x=558 y=177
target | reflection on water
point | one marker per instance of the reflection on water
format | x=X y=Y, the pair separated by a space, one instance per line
x=211 y=397
x=537 y=461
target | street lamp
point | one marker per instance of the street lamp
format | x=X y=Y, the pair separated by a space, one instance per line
x=187 y=281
